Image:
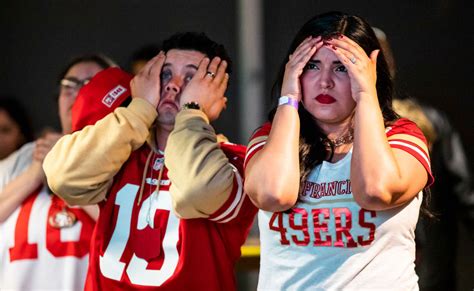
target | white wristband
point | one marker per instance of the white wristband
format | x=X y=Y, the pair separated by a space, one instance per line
x=285 y=100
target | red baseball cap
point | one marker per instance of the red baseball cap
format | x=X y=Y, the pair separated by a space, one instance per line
x=106 y=91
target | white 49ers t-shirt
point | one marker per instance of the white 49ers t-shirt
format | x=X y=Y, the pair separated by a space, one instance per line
x=34 y=254
x=328 y=242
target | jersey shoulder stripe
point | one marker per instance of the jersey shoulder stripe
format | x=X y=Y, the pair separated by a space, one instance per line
x=405 y=135
x=231 y=207
x=257 y=141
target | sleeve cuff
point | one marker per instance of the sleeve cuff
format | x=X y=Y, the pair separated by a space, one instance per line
x=143 y=109
x=189 y=114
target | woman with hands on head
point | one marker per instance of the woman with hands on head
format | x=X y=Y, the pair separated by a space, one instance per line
x=337 y=175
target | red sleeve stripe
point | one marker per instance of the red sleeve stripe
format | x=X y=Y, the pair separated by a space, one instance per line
x=237 y=202
x=420 y=151
x=421 y=160
x=257 y=139
x=237 y=210
x=413 y=149
x=253 y=150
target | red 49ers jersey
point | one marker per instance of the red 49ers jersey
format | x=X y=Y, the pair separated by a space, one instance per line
x=36 y=255
x=139 y=243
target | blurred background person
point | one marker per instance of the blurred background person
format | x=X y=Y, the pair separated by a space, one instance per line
x=15 y=131
x=452 y=198
x=44 y=242
x=15 y=126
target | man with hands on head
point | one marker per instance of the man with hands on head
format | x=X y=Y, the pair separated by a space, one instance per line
x=173 y=215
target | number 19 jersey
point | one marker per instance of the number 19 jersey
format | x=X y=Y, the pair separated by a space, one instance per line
x=36 y=255
x=139 y=243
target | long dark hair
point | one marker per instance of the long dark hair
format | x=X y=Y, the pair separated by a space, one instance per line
x=311 y=150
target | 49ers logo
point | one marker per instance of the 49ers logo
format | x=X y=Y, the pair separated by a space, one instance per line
x=24 y=249
x=294 y=227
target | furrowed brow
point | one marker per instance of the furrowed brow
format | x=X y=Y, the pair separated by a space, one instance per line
x=192 y=66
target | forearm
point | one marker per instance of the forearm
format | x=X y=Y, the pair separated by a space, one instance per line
x=80 y=166
x=15 y=164
x=200 y=173
x=374 y=169
x=272 y=175
x=19 y=189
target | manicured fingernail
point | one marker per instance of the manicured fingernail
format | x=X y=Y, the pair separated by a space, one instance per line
x=334 y=47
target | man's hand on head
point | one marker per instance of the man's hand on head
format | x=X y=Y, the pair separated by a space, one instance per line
x=207 y=87
x=146 y=84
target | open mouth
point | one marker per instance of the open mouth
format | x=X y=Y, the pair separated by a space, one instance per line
x=169 y=103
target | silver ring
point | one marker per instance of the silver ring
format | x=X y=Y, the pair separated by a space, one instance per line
x=209 y=73
x=353 y=60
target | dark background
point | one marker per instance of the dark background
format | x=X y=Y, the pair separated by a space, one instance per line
x=432 y=42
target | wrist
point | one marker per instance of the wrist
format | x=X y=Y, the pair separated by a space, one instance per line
x=288 y=100
x=365 y=96
x=36 y=171
x=191 y=105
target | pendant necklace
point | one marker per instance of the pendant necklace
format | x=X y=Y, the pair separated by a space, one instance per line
x=61 y=216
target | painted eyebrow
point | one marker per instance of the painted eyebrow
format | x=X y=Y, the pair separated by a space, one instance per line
x=318 y=62
x=187 y=66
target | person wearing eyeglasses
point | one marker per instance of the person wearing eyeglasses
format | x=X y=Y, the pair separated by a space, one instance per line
x=44 y=243
x=173 y=215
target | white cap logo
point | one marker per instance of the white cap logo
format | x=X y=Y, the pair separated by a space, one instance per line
x=112 y=95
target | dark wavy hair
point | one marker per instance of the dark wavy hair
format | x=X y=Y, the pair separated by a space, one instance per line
x=311 y=150
x=198 y=42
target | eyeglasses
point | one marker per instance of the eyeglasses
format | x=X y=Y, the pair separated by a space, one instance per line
x=73 y=83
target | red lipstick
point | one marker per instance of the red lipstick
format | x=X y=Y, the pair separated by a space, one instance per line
x=325 y=99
